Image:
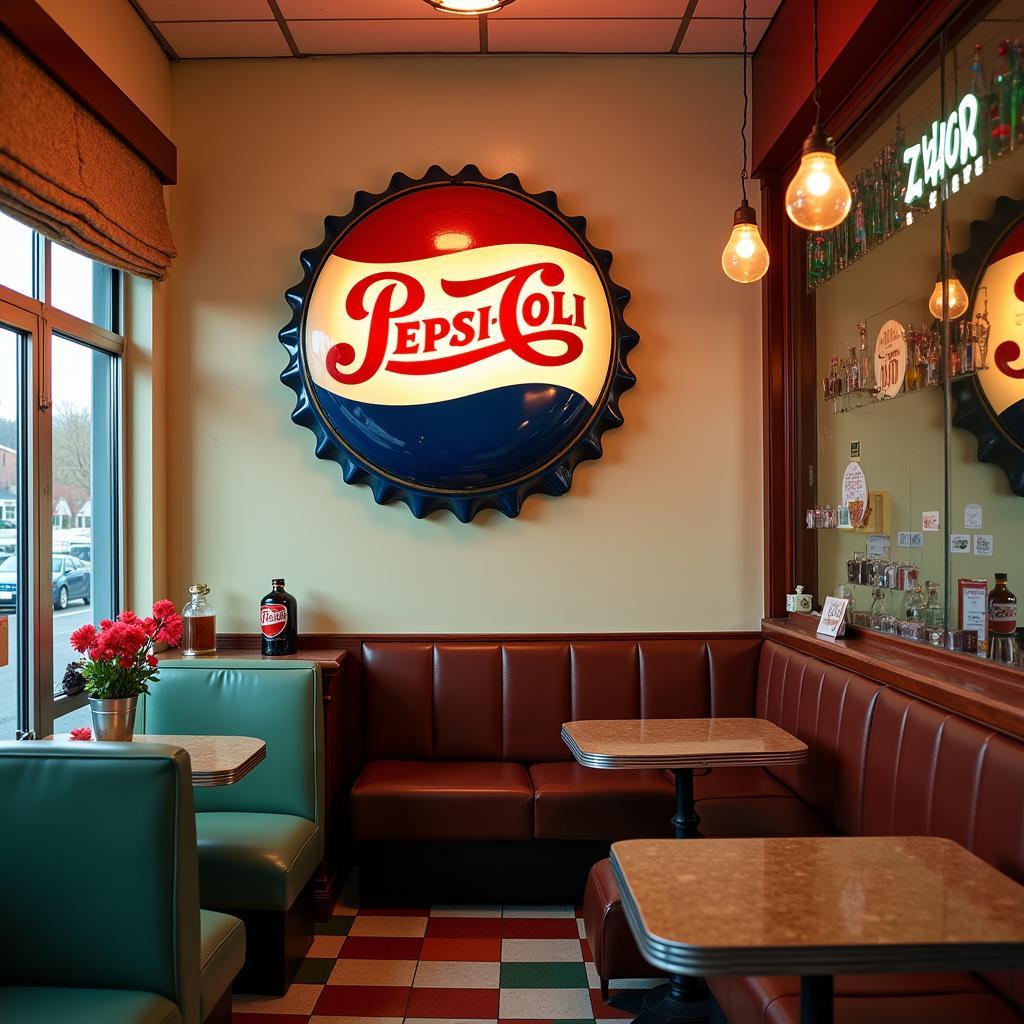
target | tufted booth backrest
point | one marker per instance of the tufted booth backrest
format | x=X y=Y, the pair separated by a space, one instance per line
x=930 y=772
x=279 y=702
x=129 y=917
x=830 y=710
x=506 y=701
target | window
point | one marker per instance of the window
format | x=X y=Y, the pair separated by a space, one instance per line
x=59 y=436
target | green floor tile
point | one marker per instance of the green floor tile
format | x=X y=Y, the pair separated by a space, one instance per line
x=314 y=970
x=337 y=925
x=550 y=975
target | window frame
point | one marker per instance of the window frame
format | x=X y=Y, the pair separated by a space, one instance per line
x=38 y=320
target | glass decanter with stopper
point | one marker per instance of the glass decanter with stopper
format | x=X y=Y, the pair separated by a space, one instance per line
x=879 y=612
x=934 y=617
x=914 y=610
x=199 y=624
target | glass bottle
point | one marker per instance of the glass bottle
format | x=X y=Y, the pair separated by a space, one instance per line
x=910 y=381
x=933 y=614
x=852 y=372
x=914 y=608
x=199 y=624
x=1002 y=101
x=879 y=613
x=1002 y=622
x=1018 y=93
x=865 y=371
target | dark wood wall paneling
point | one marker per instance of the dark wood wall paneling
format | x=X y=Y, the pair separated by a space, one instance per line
x=868 y=50
x=48 y=44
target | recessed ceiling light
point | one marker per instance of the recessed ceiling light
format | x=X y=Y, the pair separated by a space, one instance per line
x=468 y=6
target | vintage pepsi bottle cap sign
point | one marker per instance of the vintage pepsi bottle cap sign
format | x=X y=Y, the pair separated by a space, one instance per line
x=457 y=343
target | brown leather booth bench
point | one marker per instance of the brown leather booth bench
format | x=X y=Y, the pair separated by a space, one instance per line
x=465 y=789
x=881 y=762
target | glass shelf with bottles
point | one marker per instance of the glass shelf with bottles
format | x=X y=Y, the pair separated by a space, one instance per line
x=921 y=616
x=850 y=384
x=880 y=207
x=885 y=573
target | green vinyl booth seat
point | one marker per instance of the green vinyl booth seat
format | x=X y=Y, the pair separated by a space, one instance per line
x=100 y=920
x=260 y=839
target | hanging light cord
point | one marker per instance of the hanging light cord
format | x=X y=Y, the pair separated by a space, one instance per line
x=817 y=85
x=746 y=103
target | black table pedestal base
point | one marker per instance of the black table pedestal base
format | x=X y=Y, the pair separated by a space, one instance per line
x=816 y=993
x=681 y=1000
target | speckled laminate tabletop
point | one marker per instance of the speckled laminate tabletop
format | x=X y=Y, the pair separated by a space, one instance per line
x=818 y=905
x=681 y=743
x=216 y=760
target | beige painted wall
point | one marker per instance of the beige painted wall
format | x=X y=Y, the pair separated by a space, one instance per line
x=647 y=150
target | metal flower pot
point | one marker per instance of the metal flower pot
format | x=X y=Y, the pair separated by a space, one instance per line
x=113 y=719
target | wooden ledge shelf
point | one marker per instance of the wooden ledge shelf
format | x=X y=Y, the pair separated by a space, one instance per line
x=987 y=692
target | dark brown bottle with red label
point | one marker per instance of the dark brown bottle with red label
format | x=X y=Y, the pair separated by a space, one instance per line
x=279 y=621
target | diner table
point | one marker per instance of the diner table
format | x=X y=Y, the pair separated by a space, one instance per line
x=817 y=907
x=681 y=745
x=216 y=760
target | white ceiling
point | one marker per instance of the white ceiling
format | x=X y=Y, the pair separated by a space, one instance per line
x=296 y=28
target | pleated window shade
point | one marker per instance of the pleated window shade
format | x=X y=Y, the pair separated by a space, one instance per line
x=66 y=174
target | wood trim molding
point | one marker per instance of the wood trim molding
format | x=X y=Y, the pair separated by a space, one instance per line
x=50 y=46
x=335 y=642
x=789 y=405
x=984 y=691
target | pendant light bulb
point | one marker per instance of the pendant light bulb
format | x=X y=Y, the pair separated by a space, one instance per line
x=956 y=300
x=468 y=7
x=818 y=197
x=745 y=257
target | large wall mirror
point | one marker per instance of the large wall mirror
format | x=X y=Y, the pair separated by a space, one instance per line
x=919 y=299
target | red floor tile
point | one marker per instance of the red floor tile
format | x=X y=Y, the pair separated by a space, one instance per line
x=263 y=1018
x=587 y=954
x=464 y=928
x=360 y=1001
x=602 y=1008
x=460 y=949
x=380 y=949
x=451 y=1002
x=539 y=928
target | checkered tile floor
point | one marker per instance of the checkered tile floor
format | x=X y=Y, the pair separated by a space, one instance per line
x=456 y=965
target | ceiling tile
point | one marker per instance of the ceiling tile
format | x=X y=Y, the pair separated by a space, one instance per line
x=734 y=8
x=225 y=38
x=593 y=9
x=328 y=10
x=207 y=10
x=722 y=35
x=608 y=35
x=452 y=35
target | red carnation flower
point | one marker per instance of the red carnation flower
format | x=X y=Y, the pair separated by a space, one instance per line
x=83 y=637
x=81 y=733
x=163 y=609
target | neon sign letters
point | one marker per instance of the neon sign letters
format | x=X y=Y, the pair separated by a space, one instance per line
x=950 y=149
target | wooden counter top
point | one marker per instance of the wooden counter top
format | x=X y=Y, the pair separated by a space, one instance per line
x=986 y=691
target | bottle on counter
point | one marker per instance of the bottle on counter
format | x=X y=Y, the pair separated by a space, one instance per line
x=879 y=613
x=934 y=615
x=279 y=621
x=198 y=624
x=915 y=607
x=1002 y=622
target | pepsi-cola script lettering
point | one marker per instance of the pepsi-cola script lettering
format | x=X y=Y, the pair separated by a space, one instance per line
x=400 y=342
